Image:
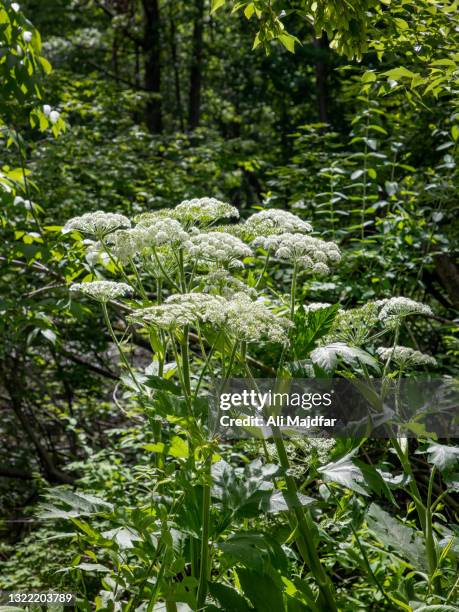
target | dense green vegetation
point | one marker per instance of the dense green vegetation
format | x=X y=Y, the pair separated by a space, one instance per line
x=276 y=187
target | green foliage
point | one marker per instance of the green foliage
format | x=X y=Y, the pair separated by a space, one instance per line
x=144 y=507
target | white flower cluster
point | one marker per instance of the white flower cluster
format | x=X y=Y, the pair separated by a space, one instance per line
x=305 y=251
x=395 y=309
x=183 y=309
x=102 y=291
x=98 y=223
x=204 y=211
x=405 y=356
x=126 y=244
x=274 y=221
x=218 y=247
x=254 y=321
x=316 y=306
x=240 y=316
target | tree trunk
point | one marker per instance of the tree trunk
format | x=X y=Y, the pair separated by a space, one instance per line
x=321 y=44
x=175 y=64
x=447 y=272
x=152 y=53
x=194 y=113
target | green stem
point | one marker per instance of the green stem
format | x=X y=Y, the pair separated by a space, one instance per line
x=120 y=350
x=265 y=267
x=306 y=529
x=204 y=565
x=430 y=542
x=293 y=291
x=139 y=280
x=163 y=271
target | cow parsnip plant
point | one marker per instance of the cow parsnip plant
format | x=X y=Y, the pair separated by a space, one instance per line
x=197 y=285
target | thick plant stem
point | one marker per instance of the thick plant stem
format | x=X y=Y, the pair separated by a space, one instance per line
x=204 y=566
x=305 y=537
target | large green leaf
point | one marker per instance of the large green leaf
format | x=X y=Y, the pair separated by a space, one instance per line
x=228 y=598
x=442 y=456
x=327 y=357
x=310 y=327
x=345 y=473
x=261 y=590
x=258 y=551
x=404 y=540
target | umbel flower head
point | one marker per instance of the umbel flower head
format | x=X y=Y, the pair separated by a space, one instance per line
x=102 y=291
x=274 y=221
x=183 y=309
x=254 y=322
x=240 y=316
x=304 y=251
x=314 y=307
x=126 y=244
x=97 y=223
x=158 y=232
x=395 y=309
x=204 y=211
x=218 y=247
x=406 y=357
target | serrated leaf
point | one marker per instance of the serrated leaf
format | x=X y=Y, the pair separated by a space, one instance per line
x=403 y=539
x=442 y=456
x=326 y=357
x=345 y=473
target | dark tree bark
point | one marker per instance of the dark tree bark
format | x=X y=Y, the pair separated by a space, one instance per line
x=176 y=68
x=447 y=272
x=194 y=112
x=322 y=47
x=152 y=54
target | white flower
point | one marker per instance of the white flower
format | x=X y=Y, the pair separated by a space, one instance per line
x=125 y=244
x=183 y=309
x=166 y=231
x=218 y=247
x=316 y=306
x=240 y=317
x=405 y=356
x=54 y=116
x=27 y=36
x=159 y=232
x=15 y=6
x=46 y=109
x=273 y=221
x=102 y=291
x=254 y=321
x=305 y=251
x=395 y=309
x=98 y=223
x=204 y=211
